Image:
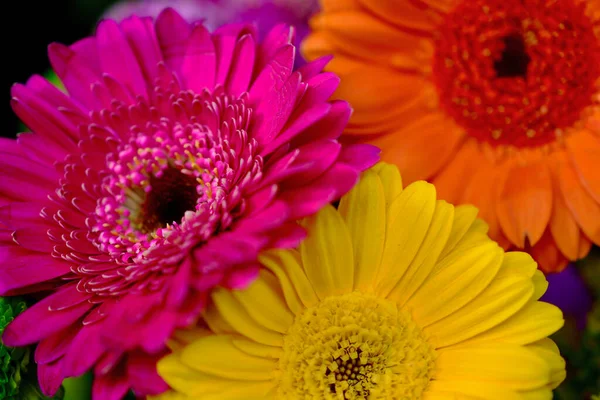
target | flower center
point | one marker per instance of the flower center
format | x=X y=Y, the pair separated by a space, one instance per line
x=355 y=346
x=517 y=72
x=172 y=194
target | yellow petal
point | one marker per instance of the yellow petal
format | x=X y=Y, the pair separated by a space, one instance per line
x=426 y=258
x=537 y=394
x=540 y=283
x=548 y=350
x=235 y=315
x=408 y=221
x=460 y=277
x=183 y=378
x=514 y=367
x=327 y=253
x=458 y=389
x=502 y=299
x=256 y=349
x=464 y=217
x=363 y=210
x=237 y=390
x=170 y=395
x=215 y=321
x=216 y=355
x=535 y=321
x=391 y=180
x=287 y=262
x=264 y=302
x=518 y=262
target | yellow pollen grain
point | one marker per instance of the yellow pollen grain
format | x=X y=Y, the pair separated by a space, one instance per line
x=544 y=110
x=496 y=133
x=486 y=52
x=354 y=346
x=501 y=109
x=526 y=101
x=530 y=133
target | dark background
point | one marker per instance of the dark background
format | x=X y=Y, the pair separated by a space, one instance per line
x=29 y=27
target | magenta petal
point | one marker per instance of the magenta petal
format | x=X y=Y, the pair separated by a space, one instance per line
x=141 y=36
x=17 y=215
x=19 y=267
x=274 y=75
x=55 y=346
x=279 y=36
x=40 y=149
x=86 y=348
x=242 y=66
x=172 y=32
x=360 y=156
x=239 y=279
x=289 y=235
x=50 y=377
x=141 y=371
x=315 y=158
x=329 y=127
x=33 y=239
x=296 y=126
x=200 y=55
x=225 y=39
x=27 y=329
x=111 y=386
x=117 y=58
x=314 y=68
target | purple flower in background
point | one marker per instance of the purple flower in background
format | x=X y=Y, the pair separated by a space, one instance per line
x=264 y=13
x=567 y=291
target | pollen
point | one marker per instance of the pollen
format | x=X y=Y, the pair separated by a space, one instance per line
x=355 y=346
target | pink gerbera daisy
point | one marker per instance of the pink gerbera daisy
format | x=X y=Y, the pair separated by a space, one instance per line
x=174 y=158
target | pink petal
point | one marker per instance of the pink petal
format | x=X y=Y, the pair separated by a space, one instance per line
x=314 y=68
x=142 y=39
x=173 y=33
x=16 y=165
x=260 y=199
x=142 y=375
x=239 y=279
x=34 y=240
x=269 y=218
x=279 y=36
x=17 y=215
x=242 y=66
x=329 y=127
x=56 y=345
x=312 y=161
x=274 y=110
x=289 y=235
x=225 y=39
x=85 y=350
x=117 y=58
x=360 y=156
x=275 y=74
x=111 y=386
x=296 y=126
x=74 y=70
x=200 y=55
x=50 y=377
x=27 y=329
x=179 y=284
x=40 y=149
x=19 y=267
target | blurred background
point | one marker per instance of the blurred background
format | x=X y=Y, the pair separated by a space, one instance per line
x=41 y=23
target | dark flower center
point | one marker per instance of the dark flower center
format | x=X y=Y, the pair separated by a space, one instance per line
x=172 y=194
x=514 y=59
x=517 y=72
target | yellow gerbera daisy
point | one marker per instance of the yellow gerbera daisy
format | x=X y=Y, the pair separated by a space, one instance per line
x=395 y=295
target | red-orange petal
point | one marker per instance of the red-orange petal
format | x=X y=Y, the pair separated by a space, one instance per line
x=547 y=255
x=339 y=5
x=481 y=192
x=422 y=147
x=563 y=227
x=452 y=181
x=584 y=208
x=440 y=5
x=403 y=13
x=524 y=204
x=584 y=152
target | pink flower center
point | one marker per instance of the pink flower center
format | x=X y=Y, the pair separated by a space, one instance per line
x=165 y=175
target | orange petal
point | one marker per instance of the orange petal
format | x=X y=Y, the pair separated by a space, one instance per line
x=454 y=178
x=440 y=5
x=317 y=44
x=403 y=13
x=524 y=204
x=369 y=38
x=584 y=208
x=564 y=228
x=380 y=96
x=339 y=5
x=585 y=245
x=481 y=193
x=421 y=148
x=547 y=255
x=584 y=152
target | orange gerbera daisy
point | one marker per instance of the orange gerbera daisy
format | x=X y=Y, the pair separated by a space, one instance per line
x=497 y=102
